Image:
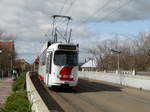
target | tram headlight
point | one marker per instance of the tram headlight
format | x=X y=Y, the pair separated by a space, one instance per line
x=59 y=76
x=67 y=76
x=71 y=76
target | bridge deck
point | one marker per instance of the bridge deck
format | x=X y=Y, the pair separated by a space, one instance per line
x=94 y=96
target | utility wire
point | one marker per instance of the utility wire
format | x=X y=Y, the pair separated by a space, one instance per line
x=63 y=6
x=100 y=9
x=61 y=9
x=113 y=11
x=59 y=13
x=97 y=11
x=71 y=4
x=109 y=14
x=68 y=9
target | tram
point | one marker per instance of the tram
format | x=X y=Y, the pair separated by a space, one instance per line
x=58 y=64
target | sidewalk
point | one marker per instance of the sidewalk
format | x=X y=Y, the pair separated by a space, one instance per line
x=5 y=89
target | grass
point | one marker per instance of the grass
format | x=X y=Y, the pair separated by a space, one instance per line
x=19 y=84
x=18 y=101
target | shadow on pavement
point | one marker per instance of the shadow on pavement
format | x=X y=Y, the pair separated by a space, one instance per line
x=87 y=86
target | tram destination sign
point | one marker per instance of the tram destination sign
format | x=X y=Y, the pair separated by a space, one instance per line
x=67 y=47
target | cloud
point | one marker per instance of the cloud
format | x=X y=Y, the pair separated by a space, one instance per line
x=110 y=10
x=28 y=49
x=29 y=20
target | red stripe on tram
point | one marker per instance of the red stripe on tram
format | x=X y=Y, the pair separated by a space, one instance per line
x=65 y=73
x=41 y=77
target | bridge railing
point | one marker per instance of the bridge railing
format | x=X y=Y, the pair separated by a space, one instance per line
x=142 y=82
x=133 y=72
x=37 y=103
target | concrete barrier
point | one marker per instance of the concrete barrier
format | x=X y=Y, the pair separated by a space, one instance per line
x=142 y=82
x=37 y=103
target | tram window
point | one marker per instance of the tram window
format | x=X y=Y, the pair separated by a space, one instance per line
x=69 y=58
x=43 y=59
x=49 y=63
x=40 y=60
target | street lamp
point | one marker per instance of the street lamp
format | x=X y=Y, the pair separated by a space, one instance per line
x=11 y=61
x=118 y=54
x=0 y=52
x=0 y=64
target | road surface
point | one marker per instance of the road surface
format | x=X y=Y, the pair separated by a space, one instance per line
x=5 y=89
x=94 y=96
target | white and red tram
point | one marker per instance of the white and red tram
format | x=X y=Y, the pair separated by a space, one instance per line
x=58 y=64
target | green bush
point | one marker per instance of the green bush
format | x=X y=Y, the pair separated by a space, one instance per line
x=19 y=83
x=17 y=102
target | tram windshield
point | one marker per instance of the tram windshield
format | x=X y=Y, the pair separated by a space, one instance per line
x=68 y=58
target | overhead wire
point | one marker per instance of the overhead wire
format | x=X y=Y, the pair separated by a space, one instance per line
x=97 y=11
x=59 y=13
x=108 y=15
x=71 y=4
x=63 y=6
x=113 y=11
x=67 y=11
x=61 y=9
x=100 y=9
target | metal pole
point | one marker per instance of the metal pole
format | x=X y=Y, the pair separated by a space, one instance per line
x=118 y=63
x=0 y=64
x=119 y=69
x=53 y=28
x=2 y=74
x=0 y=68
x=11 y=62
x=118 y=55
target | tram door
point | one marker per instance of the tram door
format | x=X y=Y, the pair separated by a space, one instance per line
x=49 y=65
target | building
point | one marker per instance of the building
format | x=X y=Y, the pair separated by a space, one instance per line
x=90 y=65
x=7 y=46
x=36 y=64
x=22 y=65
x=7 y=56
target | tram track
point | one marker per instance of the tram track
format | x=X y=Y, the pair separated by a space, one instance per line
x=94 y=96
x=73 y=100
x=48 y=100
x=63 y=101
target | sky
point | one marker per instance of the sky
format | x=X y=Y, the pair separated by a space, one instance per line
x=27 y=21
